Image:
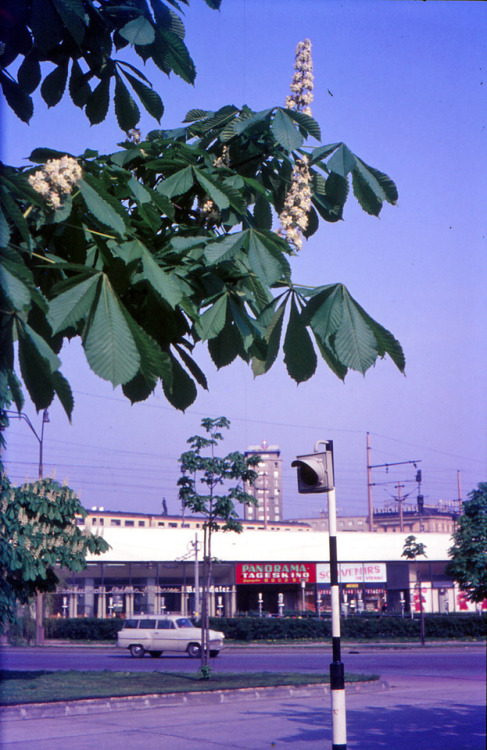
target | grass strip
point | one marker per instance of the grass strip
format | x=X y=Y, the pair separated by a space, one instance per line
x=17 y=687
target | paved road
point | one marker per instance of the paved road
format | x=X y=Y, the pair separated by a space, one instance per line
x=433 y=662
x=422 y=713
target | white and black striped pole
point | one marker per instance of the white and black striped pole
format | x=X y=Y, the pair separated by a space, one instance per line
x=337 y=669
x=316 y=474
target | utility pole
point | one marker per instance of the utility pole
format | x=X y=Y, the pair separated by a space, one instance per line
x=399 y=500
x=195 y=546
x=459 y=485
x=369 y=486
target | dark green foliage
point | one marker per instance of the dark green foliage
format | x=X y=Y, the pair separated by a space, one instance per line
x=38 y=529
x=255 y=629
x=358 y=627
x=38 y=532
x=468 y=565
x=83 y=629
x=134 y=264
x=83 y=40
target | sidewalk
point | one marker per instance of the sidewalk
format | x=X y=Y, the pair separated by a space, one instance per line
x=422 y=714
x=168 y=700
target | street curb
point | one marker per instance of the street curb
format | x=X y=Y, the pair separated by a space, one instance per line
x=171 y=700
x=229 y=647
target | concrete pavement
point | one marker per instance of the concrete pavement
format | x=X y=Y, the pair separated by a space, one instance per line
x=423 y=714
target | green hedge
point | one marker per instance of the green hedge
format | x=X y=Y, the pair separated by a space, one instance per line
x=83 y=629
x=248 y=629
x=357 y=627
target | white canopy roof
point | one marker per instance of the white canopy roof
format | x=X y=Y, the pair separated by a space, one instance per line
x=170 y=545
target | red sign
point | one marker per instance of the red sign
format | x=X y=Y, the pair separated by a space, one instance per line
x=276 y=572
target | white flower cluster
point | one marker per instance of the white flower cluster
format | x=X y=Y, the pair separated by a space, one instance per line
x=224 y=159
x=56 y=179
x=23 y=517
x=209 y=213
x=294 y=217
x=302 y=84
x=134 y=135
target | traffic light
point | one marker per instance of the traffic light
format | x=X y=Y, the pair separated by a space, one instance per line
x=419 y=476
x=420 y=503
x=315 y=472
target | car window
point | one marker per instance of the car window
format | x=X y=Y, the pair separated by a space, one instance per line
x=165 y=625
x=130 y=624
x=183 y=622
x=148 y=624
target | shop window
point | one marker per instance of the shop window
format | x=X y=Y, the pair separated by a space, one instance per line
x=101 y=521
x=172 y=525
x=161 y=523
x=141 y=523
x=115 y=522
x=129 y=523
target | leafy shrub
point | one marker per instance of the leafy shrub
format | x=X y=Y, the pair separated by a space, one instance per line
x=83 y=629
x=357 y=627
x=249 y=629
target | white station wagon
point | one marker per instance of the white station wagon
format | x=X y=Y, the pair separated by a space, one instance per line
x=159 y=633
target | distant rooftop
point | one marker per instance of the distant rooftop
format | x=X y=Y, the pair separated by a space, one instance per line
x=264 y=447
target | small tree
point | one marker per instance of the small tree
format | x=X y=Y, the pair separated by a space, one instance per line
x=218 y=509
x=38 y=531
x=468 y=565
x=411 y=550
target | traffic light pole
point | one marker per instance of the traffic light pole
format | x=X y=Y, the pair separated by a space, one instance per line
x=316 y=473
x=337 y=669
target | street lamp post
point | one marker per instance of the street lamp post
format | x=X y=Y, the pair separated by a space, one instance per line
x=39 y=637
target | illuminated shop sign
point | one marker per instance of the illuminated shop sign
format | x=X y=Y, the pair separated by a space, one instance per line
x=276 y=572
x=353 y=573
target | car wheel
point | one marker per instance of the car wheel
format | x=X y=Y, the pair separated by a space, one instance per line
x=214 y=654
x=155 y=654
x=194 y=650
x=137 y=650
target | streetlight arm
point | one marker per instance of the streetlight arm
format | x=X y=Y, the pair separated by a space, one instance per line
x=21 y=415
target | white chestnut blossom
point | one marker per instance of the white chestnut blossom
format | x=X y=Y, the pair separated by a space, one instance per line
x=224 y=159
x=56 y=180
x=294 y=216
x=302 y=84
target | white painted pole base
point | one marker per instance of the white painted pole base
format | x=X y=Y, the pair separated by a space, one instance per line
x=339 y=724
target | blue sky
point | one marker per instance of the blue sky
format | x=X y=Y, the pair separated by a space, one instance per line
x=403 y=84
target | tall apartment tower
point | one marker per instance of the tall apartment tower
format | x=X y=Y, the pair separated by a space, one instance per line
x=268 y=486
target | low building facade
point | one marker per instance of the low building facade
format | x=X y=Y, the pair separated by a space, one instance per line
x=150 y=570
